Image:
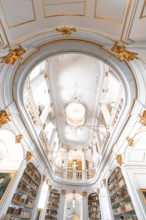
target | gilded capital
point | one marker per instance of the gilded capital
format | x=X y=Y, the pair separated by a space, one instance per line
x=50 y=187
x=44 y=178
x=28 y=156
x=143 y=118
x=130 y=141
x=18 y=138
x=4 y=118
x=119 y=159
x=84 y=194
x=63 y=191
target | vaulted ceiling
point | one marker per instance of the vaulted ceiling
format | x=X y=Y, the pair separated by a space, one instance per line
x=93 y=27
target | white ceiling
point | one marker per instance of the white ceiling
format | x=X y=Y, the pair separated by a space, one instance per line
x=116 y=20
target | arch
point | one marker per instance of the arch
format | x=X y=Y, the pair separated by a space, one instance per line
x=11 y=153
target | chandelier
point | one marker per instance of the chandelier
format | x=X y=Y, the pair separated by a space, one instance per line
x=75 y=114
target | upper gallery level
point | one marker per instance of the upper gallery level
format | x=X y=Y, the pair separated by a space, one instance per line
x=74 y=102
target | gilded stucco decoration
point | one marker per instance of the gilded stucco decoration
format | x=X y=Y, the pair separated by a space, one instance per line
x=18 y=138
x=119 y=159
x=4 y=118
x=13 y=56
x=143 y=118
x=123 y=53
x=66 y=31
x=28 y=156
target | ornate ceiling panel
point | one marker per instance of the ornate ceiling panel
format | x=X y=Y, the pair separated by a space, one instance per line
x=63 y=8
x=18 y=12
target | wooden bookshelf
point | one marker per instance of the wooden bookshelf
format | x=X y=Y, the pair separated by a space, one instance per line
x=53 y=206
x=120 y=199
x=23 y=200
x=94 y=206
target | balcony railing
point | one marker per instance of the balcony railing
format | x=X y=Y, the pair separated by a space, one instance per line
x=74 y=176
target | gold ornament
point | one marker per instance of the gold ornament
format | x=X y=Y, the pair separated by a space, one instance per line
x=66 y=31
x=63 y=191
x=50 y=187
x=44 y=178
x=143 y=118
x=104 y=182
x=130 y=141
x=119 y=159
x=4 y=118
x=123 y=53
x=18 y=138
x=84 y=194
x=13 y=56
x=28 y=156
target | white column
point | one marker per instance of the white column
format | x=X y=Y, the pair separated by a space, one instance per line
x=7 y=200
x=105 y=113
x=131 y=186
x=83 y=165
x=45 y=114
x=51 y=140
x=66 y=160
x=85 y=213
x=46 y=203
x=33 y=215
x=61 y=207
x=105 y=204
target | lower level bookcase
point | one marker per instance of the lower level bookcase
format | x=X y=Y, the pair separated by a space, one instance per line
x=122 y=205
x=53 y=205
x=94 y=207
x=23 y=200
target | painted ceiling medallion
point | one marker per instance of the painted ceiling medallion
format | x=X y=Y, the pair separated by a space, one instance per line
x=75 y=114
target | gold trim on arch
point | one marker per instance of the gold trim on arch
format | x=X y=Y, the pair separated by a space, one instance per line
x=25 y=22
x=109 y=19
x=57 y=15
x=142 y=11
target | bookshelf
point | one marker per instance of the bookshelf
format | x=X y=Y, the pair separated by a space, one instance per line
x=53 y=205
x=120 y=199
x=23 y=200
x=94 y=207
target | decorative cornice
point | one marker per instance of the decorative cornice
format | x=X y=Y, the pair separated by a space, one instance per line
x=123 y=53
x=66 y=31
x=18 y=138
x=4 y=118
x=13 y=56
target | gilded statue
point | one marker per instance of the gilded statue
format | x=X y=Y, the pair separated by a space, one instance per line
x=13 y=55
x=66 y=31
x=4 y=118
x=123 y=53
